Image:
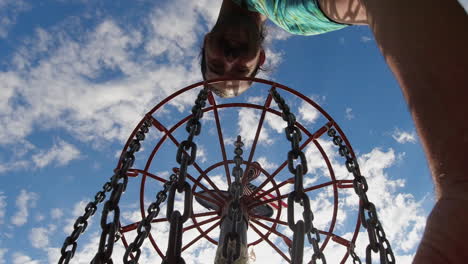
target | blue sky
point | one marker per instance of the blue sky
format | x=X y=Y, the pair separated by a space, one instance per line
x=76 y=76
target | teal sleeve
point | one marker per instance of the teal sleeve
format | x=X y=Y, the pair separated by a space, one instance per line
x=300 y=17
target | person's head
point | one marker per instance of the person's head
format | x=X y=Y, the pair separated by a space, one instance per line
x=234 y=49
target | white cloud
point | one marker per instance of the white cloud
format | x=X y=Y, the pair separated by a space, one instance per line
x=403 y=137
x=349 y=113
x=56 y=213
x=60 y=153
x=3 y=205
x=9 y=11
x=13 y=165
x=266 y=165
x=275 y=122
x=20 y=258
x=3 y=251
x=308 y=113
x=39 y=217
x=24 y=202
x=201 y=154
x=78 y=210
x=402 y=216
x=95 y=107
x=248 y=120
x=39 y=237
x=256 y=100
x=365 y=39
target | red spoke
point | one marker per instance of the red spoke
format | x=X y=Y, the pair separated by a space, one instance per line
x=270 y=243
x=257 y=133
x=343 y=184
x=273 y=230
x=168 y=133
x=340 y=240
x=215 y=201
x=280 y=168
x=252 y=205
x=269 y=219
x=205 y=214
x=220 y=136
x=314 y=136
x=201 y=223
x=315 y=187
x=134 y=226
x=215 y=196
x=204 y=233
x=318 y=186
x=274 y=188
x=130 y=227
x=135 y=172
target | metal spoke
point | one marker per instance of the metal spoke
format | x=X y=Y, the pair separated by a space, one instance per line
x=204 y=222
x=270 y=229
x=277 y=221
x=212 y=101
x=168 y=133
x=269 y=191
x=279 y=169
x=270 y=243
x=135 y=172
x=204 y=233
x=257 y=134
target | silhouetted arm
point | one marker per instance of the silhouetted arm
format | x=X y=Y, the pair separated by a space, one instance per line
x=425 y=43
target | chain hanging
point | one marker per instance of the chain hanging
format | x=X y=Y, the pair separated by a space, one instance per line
x=234 y=210
x=81 y=224
x=306 y=226
x=378 y=242
x=176 y=219
x=111 y=208
x=356 y=259
x=144 y=227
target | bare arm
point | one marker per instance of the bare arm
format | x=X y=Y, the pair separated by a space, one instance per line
x=425 y=44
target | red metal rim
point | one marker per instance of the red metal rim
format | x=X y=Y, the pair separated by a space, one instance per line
x=312 y=137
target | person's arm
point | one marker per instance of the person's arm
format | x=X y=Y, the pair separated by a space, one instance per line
x=425 y=44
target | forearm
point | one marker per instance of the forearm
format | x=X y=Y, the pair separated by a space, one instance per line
x=424 y=43
x=441 y=244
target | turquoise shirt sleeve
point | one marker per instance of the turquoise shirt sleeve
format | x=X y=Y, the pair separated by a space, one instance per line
x=300 y=17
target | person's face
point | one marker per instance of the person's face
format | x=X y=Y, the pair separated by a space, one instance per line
x=232 y=50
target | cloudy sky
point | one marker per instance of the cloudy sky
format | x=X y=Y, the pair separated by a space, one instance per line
x=76 y=76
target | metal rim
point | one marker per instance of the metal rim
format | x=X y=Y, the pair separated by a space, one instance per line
x=254 y=223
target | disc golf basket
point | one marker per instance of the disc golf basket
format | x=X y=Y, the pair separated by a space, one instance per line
x=264 y=194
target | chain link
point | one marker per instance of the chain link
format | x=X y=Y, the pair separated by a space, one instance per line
x=356 y=259
x=306 y=226
x=186 y=155
x=234 y=210
x=111 y=207
x=378 y=241
x=81 y=224
x=144 y=227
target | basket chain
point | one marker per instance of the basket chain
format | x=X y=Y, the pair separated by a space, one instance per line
x=144 y=227
x=306 y=226
x=81 y=224
x=378 y=241
x=111 y=207
x=186 y=155
x=235 y=210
